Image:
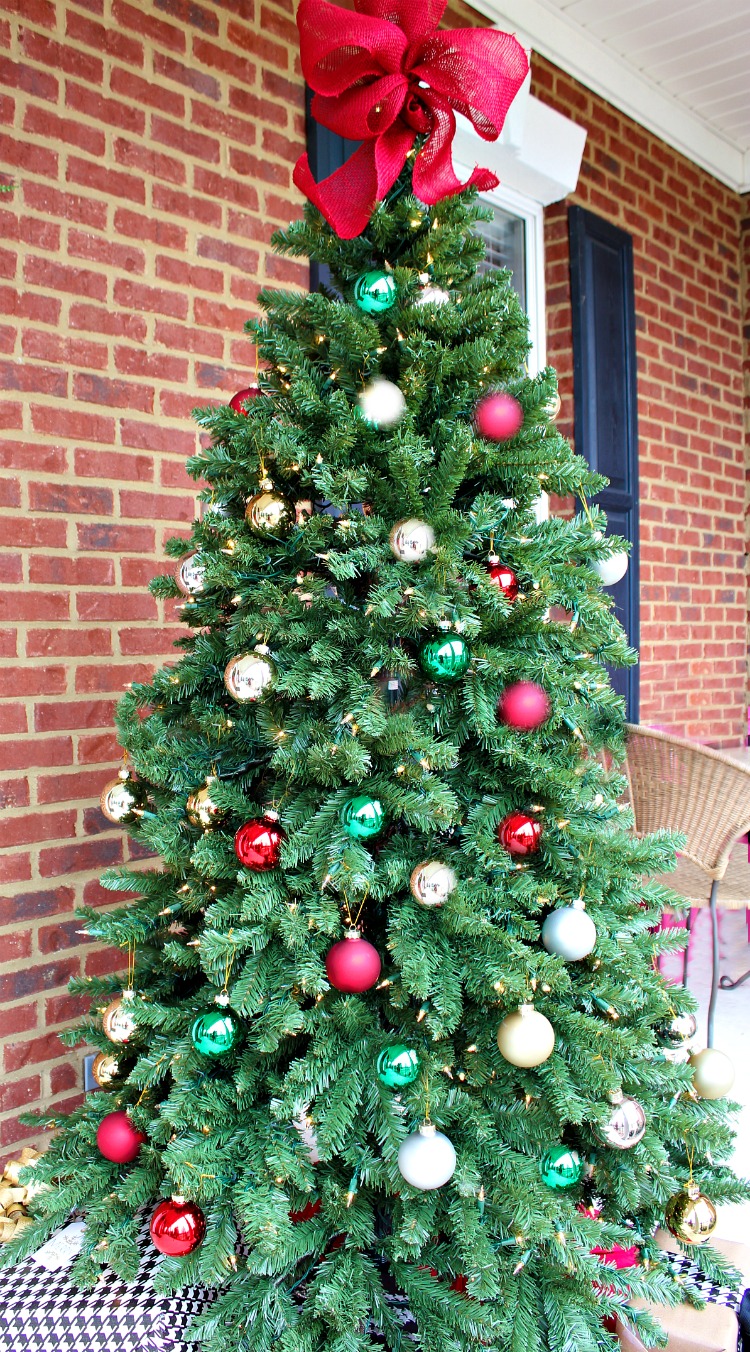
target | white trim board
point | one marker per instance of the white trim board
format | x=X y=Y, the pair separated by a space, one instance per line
x=567 y=45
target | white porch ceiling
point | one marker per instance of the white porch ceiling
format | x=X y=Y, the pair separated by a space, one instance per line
x=679 y=67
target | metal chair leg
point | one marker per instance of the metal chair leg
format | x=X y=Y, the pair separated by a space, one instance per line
x=727 y=984
x=715 y=962
x=686 y=950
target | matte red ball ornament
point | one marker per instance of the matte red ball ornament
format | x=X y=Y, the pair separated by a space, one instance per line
x=519 y=834
x=309 y=1210
x=177 y=1227
x=258 y=843
x=503 y=577
x=523 y=706
x=498 y=416
x=353 y=965
x=117 y=1138
x=238 y=400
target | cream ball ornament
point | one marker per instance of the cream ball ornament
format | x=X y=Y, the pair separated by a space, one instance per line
x=610 y=570
x=427 y=1158
x=526 y=1038
x=713 y=1073
x=431 y=883
x=381 y=403
x=569 y=932
x=411 y=540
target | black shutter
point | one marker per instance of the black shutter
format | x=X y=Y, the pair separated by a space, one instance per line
x=326 y=151
x=606 y=416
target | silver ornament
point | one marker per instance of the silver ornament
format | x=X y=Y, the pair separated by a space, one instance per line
x=248 y=675
x=381 y=403
x=627 y=1124
x=412 y=540
x=427 y=1158
x=431 y=883
x=191 y=574
x=569 y=932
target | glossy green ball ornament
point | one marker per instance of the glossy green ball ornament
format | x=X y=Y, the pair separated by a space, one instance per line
x=214 y=1033
x=375 y=291
x=362 y=817
x=561 y=1167
x=445 y=658
x=398 y=1066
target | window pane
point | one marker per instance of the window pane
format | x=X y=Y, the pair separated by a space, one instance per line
x=505 y=239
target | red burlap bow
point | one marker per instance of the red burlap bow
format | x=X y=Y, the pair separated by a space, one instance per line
x=384 y=74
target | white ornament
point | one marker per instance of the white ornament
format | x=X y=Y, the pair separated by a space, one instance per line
x=713 y=1073
x=526 y=1038
x=569 y=932
x=431 y=883
x=248 y=675
x=432 y=295
x=614 y=568
x=412 y=540
x=627 y=1125
x=382 y=403
x=191 y=575
x=426 y=1159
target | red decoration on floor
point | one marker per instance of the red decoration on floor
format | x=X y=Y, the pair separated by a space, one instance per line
x=258 y=844
x=117 y=1138
x=177 y=1227
x=519 y=834
x=498 y=416
x=238 y=400
x=384 y=75
x=353 y=965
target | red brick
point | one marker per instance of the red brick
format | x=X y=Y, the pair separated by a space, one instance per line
x=165 y=233
x=185 y=205
x=97 y=389
x=73 y=714
x=108 y=181
x=115 y=678
x=104 y=38
x=39 y=83
x=148 y=161
x=14 y=793
x=100 y=249
x=257 y=106
x=38 y=1049
x=64 y=1077
x=15 y=867
x=151 y=298
x=59 y=861
x=114 y=464
x=58 y=56
x=56 y=938
x=34 y=680
x=153 y=29
x=67 y=129
x=191 y=76
x=66 y=1008
x=36 y=826
x=100 y=747
x=119 y=606
x=156 y=437
x=68 y=206
x=156 y=506
x=78 y=642
x=26 y=605
x=226 y=187
x=155 y=365
x=73 y=572
x=34 y=159
x=17 y=1093
x=17 y=1019
x=249 y=40
x=115 y=112
x=72 y=787
x=185 y=139
x=184 y=272
x=118 y=322
x=44 y=751
x=76 y=499
x=113 y=536
x=103 y=962
x=28 y=980
x=39 y=271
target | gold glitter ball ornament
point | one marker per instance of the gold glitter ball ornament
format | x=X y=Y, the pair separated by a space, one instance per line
x=690 y=1216
x=118 y=1020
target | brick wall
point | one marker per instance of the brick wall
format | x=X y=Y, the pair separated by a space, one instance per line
x=685 y=227
x=151 y=145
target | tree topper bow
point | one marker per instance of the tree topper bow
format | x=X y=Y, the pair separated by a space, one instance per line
x=385 y=74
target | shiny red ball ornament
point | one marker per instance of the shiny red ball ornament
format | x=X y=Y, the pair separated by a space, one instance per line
x=238 y=400
x=117 y=1138
x=353 y=965
x=523 y=706
x=258 y=843
x=519 y=834
x=308 y=1211
x=504 y=578
x=177 y=1227
x=498 y=416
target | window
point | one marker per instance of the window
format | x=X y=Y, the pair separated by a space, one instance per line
x=515 y=240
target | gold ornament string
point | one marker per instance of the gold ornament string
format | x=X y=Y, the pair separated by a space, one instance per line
x=131 y=966
x=426 y=1079
x=228 y=965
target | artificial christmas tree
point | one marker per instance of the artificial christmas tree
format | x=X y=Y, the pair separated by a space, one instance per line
x=350 y=1033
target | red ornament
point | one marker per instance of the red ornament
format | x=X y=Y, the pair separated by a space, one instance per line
x=383 y=76
x=308 y=1211
x=460 y=1283
x=238 y=400
x=258 y=843
x=352 y=964
x=519 y=834
x=523 y=706
x=177 y=1227
x=504 y=578
x=618 y=1257
x=118 y=1139
x=498 y=416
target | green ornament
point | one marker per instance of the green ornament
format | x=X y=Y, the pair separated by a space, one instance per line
x=375 y=291
x=362 y=817
x=561 y=1167
x=445 y=658
x=214 y=1033
x=398 y=1066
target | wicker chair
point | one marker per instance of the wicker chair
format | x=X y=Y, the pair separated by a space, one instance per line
x=679 y=786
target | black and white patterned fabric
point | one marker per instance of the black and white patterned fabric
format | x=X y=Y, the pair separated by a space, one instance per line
x=715 y=1294
x=43 y=1311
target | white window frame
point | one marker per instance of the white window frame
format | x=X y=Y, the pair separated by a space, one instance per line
x=532 y=214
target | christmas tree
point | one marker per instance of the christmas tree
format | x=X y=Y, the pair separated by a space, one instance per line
x=392 y=1030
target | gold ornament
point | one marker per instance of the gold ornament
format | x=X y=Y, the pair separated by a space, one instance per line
x=526 y=1038
x=201 y=810
x=191 y=574
x=269 y=512
x=713 y=1073
x=105 y=1069
x=248 y=675
x=123 y=799
x=118 y=1021
x=14 y=1196
x=690 y=1216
